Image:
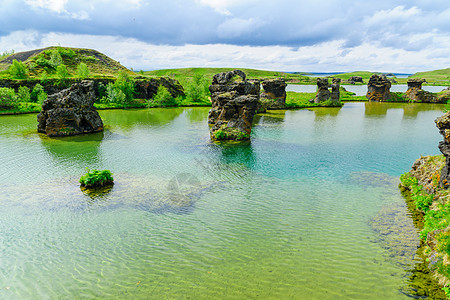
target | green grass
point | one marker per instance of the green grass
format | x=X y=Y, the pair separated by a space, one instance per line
x=301 y=100
x=439 y=76
x=208 y=73
x=21 y=108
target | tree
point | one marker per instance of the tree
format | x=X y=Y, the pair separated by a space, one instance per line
x=23 y=94
x=163 y=97
x=197 y=89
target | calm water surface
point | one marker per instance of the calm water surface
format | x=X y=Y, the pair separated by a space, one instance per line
x=288 y=216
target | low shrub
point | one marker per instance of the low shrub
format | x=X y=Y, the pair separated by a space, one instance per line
x=23 y=94
x=8 y=97
x=96 y=178
x=82 y=70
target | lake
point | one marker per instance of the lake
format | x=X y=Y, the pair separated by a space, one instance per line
x=361 y=90
x=306 y=210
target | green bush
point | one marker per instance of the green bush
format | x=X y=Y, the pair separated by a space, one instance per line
x=220 y=135
x=62 y=74
x=8 y=97
x=163 y=97
x=23 y=94
x=38 y=95
x=96 y=178
x=69 y=53
x=82 y=70
x=421 y=199
x=55 y=59
x=114 y=95
x=18 y=69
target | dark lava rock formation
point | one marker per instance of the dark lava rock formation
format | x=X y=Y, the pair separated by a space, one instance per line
x=274 y=94
x=443 y=124
x=378 y=88
x=416 y=94
x=324 y=94
x=234 y=102
x=70 y=112
x=355 y=79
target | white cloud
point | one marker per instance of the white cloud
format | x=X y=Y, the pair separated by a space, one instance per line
x=328 y=56
x=221 y=6
x=395 y=15
x=53 y=5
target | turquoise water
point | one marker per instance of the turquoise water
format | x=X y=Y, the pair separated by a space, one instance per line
x=289 y=215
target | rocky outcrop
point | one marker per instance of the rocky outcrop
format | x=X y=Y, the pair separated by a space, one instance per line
x=145 y=88
x=234 y=102
x=70 y=112
x=324 y=94
x=378 y=88
x=355 y=79
x=335 y=92
x=273 y=95
x=416 y=94
x=443 y=124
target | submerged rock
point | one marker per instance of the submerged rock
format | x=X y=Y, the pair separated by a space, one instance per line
x=70 y=112
x=416 y=94
x=234 y=103
x=274 y=93
x=443 y=124
x=378 y=88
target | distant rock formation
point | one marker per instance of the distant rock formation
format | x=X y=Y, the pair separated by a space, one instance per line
x=274 y=93
x=443 y=124
x=324 y=94
x=355 y=79
x=70 y=112
x=416 y=94
x=335 y=90
x=378 y=88
x=146 y=88
x=234 y=102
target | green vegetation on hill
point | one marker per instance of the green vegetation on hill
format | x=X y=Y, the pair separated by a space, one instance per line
x=45 y=62
x=208 y=73
x=442 y=76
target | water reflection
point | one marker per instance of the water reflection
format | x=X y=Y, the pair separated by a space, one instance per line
x=197 y=115
x=269 y=118
x=82 y=149
x=128 y=119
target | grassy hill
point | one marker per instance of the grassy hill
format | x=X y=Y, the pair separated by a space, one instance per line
x=208 y=73
x=436 y=75
x=47 y=59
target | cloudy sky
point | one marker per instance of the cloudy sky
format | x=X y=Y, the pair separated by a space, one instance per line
x=284 y=35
